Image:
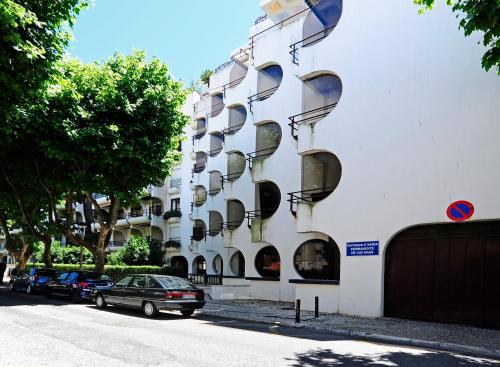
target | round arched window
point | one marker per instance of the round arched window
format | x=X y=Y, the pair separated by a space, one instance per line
x=267 y=262
x=318 y=259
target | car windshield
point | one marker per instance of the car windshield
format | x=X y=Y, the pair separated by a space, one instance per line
x=96 y=276
x=174 y=283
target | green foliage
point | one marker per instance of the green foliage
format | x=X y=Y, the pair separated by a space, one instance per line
x=156 y=254
x=205 y=76
x=138 y=251
x=171 y=214
x=115 y=272
x=477 y=15
x=63 y=254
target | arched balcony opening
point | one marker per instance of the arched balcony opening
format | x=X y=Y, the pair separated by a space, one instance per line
x=238 y=71
x=200 y=128
x=134 y=232
x=318 y=24
x=321 y=173
x=318 y=259
x=79 y=219
x=200 y=195
x=268 y=263
x=237 y=115
x=215 y=223
x=199 y=265
x=215 y=183
x=200 y=162
x=235 y=214
x=237 y=264
x=216 y=139
x=199 y=230
x=136 y=211
x=218 y=265
x=179 y=266
x=268 y=139
x=156 y=233
x=320 y=95
x=267 y=201
x=236 y=164
x=268 y=81
x=217 y=104
x=117 y=241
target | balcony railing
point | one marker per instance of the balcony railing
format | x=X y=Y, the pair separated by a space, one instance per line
x=260 y=19
x=308 y=41
x=116 y=244
x=175 y=182
x=308 y=116
x=259 y=214
x=153 y=210
x=230 y=177
x=262 y=153
x=199 y=134
x=231 y=130
x=216 y=109
x=198 y=167
x=173 y=242
x=212 y=232
x=265 y=94
x=205 y=279
x=156 y=209
x=307 y=196
x=231 y=226
x=214 y=152
x=213 y=192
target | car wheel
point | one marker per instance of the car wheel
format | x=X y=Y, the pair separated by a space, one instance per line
x=187 y=313
x=149 y=309
x=29 y=290
x=75 y=297
x=11 y=287
x=100 y=302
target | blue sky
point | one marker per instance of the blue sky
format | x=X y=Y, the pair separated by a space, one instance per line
x=189 y=35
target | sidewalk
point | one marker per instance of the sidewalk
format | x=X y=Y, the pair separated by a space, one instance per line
x=450 y=337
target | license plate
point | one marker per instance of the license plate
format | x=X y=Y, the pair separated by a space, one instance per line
x=188 y=296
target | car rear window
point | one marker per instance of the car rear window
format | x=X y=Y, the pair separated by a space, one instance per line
x=174 y=283
x=96 y=276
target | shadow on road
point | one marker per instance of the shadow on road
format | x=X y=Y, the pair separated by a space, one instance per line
x=9 y=299
x=416 y=358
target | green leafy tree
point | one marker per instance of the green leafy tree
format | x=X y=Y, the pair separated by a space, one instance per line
x=477 y=15
x=156 y=254
x=136 y=251
x=114 y=127
x=205 y=76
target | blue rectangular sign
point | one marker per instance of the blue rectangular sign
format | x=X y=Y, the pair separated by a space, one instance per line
x=367 y=248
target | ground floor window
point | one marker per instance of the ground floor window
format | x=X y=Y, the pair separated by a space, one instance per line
x=267 y=262
x=318 y=259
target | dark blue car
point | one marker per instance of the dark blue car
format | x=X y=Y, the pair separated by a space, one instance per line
x=32 y=280
x=77 y=284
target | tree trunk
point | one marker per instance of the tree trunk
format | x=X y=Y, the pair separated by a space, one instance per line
x=47 y=257
x=100 y=258
x=24 y=256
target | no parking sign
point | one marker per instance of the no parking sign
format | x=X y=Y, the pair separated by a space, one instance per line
x=460 y=210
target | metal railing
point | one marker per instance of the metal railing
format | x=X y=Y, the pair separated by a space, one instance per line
x=212 y=232
x=231 y=226
x=262 y=153
x=156 y=209
x=253 y=38
x=173 y=242
x=215 y=111
x=199 y=135
x=315 y=114
x=230 y=177
x=261 y=96
x=260 y=19
x=214 y=152
x=205 y=279
x=115 y=244
x=308 y=196
x=231 y=130
x=223 y=66
x=175 y=182
x=197 y=168
x=259 y=214
x=214 y=191
x=316 y=37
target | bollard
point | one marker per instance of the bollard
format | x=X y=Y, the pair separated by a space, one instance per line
x=316 y=306
x=297 y=312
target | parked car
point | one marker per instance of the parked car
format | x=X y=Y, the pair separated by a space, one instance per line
x=77 y=284
x=32 y=280
x=151 y=293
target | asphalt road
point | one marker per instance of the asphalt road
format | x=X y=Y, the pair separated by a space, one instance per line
x=36 y=331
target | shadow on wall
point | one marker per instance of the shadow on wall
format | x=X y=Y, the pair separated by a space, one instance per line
x=417 y=358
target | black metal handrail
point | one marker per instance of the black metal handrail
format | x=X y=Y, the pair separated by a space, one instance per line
x=197 y=168
x=317 y=113
x=252 y=38
x=214 y=191
x=265 y=94
x=223 y=66
x=230 y=177
x=205 y=279
x=214 y=152
x=262 y=153
x=156 y=209
x=308 y=196
x=199 y=135
x=216 y=112
x=295 y=46
x=260 y=19
x=173 y=242
x=259 y=214
x=231 y=226
x=231 y=130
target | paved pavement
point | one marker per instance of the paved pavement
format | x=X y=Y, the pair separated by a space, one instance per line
x=36 y=331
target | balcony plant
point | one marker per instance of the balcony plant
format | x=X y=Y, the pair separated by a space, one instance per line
x=175 y=213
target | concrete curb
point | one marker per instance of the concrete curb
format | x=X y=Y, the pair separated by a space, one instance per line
x=448 y=347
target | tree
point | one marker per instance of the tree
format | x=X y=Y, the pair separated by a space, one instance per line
x=205 y=76
x=477 y=15
x=114 y=127
x=34 y=35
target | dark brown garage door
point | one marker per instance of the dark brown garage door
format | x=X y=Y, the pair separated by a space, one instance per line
x=446 y=273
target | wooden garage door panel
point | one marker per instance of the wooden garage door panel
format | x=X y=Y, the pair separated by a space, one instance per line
x=491 y=301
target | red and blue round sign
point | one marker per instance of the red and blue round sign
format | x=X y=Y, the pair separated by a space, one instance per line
x=460 y=210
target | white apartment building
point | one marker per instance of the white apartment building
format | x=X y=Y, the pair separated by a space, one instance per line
x=347 y=151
